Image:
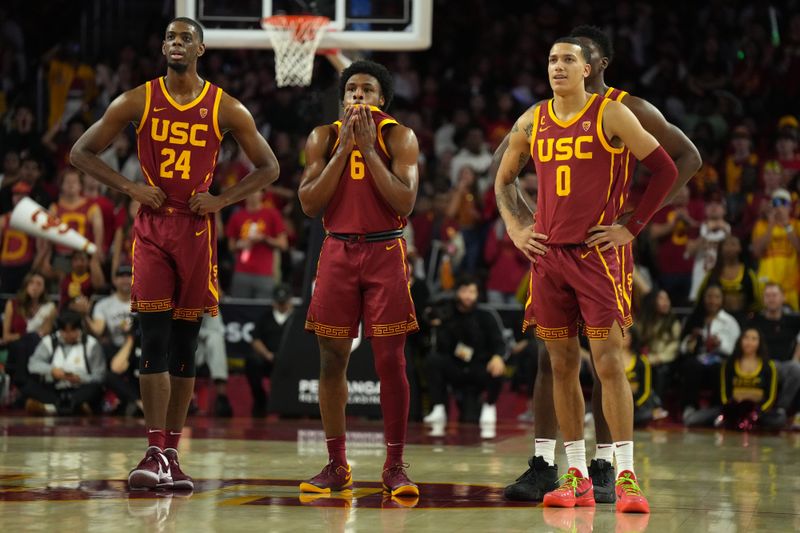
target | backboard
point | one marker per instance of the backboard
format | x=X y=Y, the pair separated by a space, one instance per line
x=354 y=24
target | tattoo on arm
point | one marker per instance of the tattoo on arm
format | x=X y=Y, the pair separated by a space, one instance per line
x=512 y=206
x=529 y=130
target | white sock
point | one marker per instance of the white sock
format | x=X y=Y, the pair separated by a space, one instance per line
x=547 y=449
x=624 y=452
x=604 y=451
x=576 y=455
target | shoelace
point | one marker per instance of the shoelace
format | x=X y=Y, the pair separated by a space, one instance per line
x=398 y=466
x=570 y=482
x=629 y=485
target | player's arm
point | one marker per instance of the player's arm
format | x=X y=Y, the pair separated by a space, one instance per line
x=125 y=109
x=494 y=166
x=98 y=231
x=515 y=211
x=398 y=185
x=321 y=175
x=671 y=138
x=620 y=122
x=236 y=119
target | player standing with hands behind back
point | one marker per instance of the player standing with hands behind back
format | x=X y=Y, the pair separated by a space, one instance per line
x=362 y=173
x=180 y=120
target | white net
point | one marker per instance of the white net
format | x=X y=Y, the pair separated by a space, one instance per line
x=295 y=40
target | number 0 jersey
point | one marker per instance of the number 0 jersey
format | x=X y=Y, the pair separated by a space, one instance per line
x=581 y=175
x=357 y=206
x=178 y=144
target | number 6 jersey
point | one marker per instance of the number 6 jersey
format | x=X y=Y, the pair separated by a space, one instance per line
x=357 y=206
x=581 y=175
x=178 y=144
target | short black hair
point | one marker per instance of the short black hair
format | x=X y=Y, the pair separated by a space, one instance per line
x=466 y=280
x=377 y=71
x=598 y=37
x=587 y=54
x=190 y=22
x=69 y=319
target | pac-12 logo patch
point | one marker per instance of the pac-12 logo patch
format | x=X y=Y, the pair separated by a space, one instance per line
x=586 y=125
x=203 y=112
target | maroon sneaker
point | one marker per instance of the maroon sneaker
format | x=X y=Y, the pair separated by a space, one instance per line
x=396 y=482
x=333 y=477
x=152 y=471
x=180 y=481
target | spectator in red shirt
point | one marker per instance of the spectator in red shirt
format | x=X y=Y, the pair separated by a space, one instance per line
x=507 y=265
x=673 y=228
x=254 y=233
x=78 y=286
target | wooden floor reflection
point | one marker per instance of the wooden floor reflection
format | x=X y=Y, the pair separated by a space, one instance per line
x=68 y=475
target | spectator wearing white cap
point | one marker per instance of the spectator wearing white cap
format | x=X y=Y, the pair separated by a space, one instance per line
x=776 y=244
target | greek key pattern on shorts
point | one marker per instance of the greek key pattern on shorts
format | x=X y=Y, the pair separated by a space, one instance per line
x=598 y=334
x=324 y=330
x=151 y=306
x=627 y=321
x=551 y=334
x=212 y=310
x=186 y=313
x=398 y=328
x=528 y=324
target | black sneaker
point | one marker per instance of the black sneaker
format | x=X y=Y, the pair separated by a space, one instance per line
x=603 y=478
x=537 y=481
x=222 y=407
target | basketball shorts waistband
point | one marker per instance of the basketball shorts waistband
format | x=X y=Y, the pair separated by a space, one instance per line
x=368 y=237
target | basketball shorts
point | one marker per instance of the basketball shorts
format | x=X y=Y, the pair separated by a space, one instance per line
x=626 y=282
x=575 y=284
x=362 y=280
x=174 y=265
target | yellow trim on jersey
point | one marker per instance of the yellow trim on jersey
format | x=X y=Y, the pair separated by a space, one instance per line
x=215 y=114
x=529 y=301
x=536 y=115
x=573 y=120
x=133 y=263
x=147 y=97
x=608 y=92
x=613 y=281
x=380 y=134
x=405 y=270
x=622 y=196
x=610 y=186
x=622 y=94
x=646 y=393
x=338 y=125
x=601 y=134
x=623 y=275
x=773 y=387
x=141 y=163
x=211 y=286
x=184 y=107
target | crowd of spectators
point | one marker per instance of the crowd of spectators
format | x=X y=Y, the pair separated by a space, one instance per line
x=725 y=75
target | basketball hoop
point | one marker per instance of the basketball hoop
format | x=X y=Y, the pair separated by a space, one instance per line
x=295 y=39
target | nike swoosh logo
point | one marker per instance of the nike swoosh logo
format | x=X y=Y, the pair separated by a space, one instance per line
x=157 y=109
x=544 y=129
x=392 y=246
x=198 y=233
x=579 y=494
x=584 y=256
x=153 y=430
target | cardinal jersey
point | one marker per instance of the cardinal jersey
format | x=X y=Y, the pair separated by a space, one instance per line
x=77 y=218
x=580 y=173
x=178 y=144
x=174 y=251
x=357 y=206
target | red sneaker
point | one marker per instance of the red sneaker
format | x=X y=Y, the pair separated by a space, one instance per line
x=396 y=482
x=629 y=496
x=333 y=477
x=152 y=472
x=575 y=491
x=180 y=481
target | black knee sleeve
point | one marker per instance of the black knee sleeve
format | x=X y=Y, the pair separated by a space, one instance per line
x=182 y=348
x=156 y=329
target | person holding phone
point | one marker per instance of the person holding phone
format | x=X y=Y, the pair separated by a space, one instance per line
x=776 y=243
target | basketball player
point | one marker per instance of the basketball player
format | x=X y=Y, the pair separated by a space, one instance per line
x=362 y=174
x=180 y=120
x=541 y=474
x=578 y=142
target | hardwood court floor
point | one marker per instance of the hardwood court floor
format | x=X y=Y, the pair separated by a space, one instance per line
x=68 y=475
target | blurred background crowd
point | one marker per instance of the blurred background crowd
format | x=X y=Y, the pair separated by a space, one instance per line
x=721 y=258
